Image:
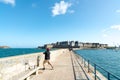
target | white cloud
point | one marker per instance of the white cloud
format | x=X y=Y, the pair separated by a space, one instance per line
x=12 y=2
x=118 y=11
x=112 y=34
x=117 y=27
x=105 y=30
x=60 y=8
x=105 y=35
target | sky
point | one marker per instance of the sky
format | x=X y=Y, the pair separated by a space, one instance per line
x=32 y=23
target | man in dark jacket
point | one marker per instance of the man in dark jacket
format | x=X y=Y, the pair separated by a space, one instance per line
x=47 y=58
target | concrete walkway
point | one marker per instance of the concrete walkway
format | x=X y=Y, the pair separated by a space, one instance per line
x=65 y=68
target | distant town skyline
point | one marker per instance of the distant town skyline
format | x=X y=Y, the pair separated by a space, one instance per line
x=29 y=23
x=75 y=44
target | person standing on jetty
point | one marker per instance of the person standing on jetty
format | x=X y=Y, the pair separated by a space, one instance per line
x=47 y=58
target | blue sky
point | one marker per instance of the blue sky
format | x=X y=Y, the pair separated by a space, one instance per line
x=30 y=23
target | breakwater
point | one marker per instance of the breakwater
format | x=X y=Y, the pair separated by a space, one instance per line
x=13 y=66
x=21 y=67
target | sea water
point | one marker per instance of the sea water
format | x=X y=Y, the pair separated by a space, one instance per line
x=18 y=51
x=106 y=58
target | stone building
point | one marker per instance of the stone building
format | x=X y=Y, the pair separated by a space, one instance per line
x=75 y=44
x=48 y=46
x=95 y=45
x=87 y=45
x=103 y=45
x=72 y=43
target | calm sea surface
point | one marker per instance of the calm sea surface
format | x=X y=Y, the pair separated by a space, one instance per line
x=18 y=51
x=107 y=59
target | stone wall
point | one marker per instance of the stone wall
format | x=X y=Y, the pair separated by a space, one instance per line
x=12 y=66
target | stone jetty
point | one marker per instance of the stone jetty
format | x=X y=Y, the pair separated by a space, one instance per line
x=29 y=67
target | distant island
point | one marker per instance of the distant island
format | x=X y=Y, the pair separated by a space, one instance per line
x=75 y=44
x=4 y=47
x=79 y=45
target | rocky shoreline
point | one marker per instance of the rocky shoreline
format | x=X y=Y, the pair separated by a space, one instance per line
x=4 y=47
